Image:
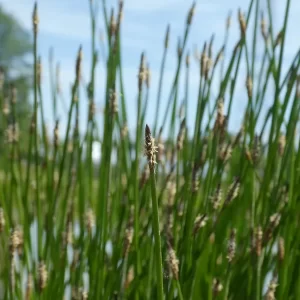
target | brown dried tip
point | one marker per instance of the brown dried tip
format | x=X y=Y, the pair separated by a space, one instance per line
x=35 y=19
x=279 y=38
x=150 y=148
x=191 y=14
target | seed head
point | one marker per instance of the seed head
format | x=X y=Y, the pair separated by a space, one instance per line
x=233 y=191
x=242 y=22
x=249 y=86
x=142 y=72
x=191 y=14
x=173 y=263
x=35 y=19
x=90 y=220
x=216 y=198
x=258 y=240
x=200 y=222
x=113 y=100
x=217 y=287
x=231 y=246
x=228 y=21
x=42 y=276
x=270 y=295
x=150 y=148
x=263 y=27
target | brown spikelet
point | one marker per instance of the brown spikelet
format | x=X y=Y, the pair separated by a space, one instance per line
x=35 y=19
x=216 y=198
x=56 y=133
x=179 y=48
x=233 y=191
x=199 y=222
x=225 y=152
x=90 y=220
x=129 y=277
x=148 y=76
x=124 y=131
x=273 y=223
x=249 y=86
x=270 y=295
x=281 y=249
x=2 y=220
x=78 y=64
x=181 y=135
x=263 y=27
x=39 y=71
x=112 y=24
x=150 y=148
x=167 y=37
x=191 y=14
x=29 y=286
x=217 y=287
x=203 y=60
x=173 y=262
x=42 y=276
x=258 y=240
x=231 y=248
x=113 y=101
x=187 y=60
x=242 y=22
x=128 y=232
x=281 y=144
x=256 y=150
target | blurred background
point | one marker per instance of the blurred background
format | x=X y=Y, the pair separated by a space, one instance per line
x=64 y=25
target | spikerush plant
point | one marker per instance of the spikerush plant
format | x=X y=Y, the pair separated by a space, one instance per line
x=216 y=217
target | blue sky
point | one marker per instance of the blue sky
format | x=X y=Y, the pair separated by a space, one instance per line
x=64 y=25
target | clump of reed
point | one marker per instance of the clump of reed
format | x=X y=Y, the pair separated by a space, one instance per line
x=207 y=214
